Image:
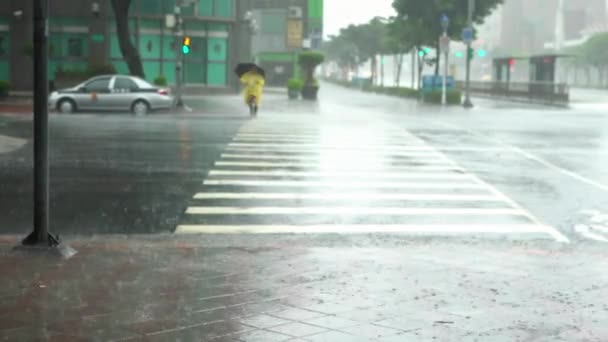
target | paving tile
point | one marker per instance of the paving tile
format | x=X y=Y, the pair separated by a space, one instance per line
x=336 y=336
x=332 y=322
x=296 y=314
x=371 y=331
x=329 y=308
x=263 y=321
x=263 y=336
x=297 y=329
x=365 y=315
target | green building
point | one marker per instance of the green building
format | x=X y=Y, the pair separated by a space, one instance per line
x=83 y=33
x=284 y=28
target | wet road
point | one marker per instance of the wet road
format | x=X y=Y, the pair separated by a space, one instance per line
x=351 y=163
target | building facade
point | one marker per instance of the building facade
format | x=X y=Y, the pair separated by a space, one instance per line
x=285 y=27
x=533 y=26
x=83 y=33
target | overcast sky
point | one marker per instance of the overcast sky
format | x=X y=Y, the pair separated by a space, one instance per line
x=341 y=13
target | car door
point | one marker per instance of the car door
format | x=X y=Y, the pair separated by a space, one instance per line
x=123 y=91
x=94 y=94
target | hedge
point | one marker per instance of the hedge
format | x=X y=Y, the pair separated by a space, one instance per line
x=453 y=97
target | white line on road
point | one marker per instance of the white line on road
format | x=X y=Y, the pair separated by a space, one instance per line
x=278 y=164
x=329 y=174
x=585 y=231
x=10 y=144
x=444 y=229
x=558 y=236
x=352 y=211
x=317 y=147
x=535 y=158
x=341 y=184
x=421 y=155
x=346 y=196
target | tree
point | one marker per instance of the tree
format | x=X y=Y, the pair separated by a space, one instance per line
x=341 y=51
x=400 y=39
x=595 y=54
x=428 y=13
x=128 y=50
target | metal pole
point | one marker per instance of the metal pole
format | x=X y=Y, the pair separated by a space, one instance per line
x=445 y=79
x=467 y=100
x=444 y=84
x=178 y=55
x=40 y=235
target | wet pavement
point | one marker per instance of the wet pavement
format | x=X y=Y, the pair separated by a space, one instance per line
x=357 y=218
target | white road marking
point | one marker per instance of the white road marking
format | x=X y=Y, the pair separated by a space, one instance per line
x=346 y=196
x=324 y=149
x=535 y=158
x=319 y=147
x=442 y=164
x=329 y=174
x=586 y=232
x=558 y=236
x=359 y=229
x=10 y=144
x=422 y=155
x=352 y=211
x=307 y=184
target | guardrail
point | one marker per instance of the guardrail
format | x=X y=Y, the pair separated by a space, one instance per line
x=536 y=92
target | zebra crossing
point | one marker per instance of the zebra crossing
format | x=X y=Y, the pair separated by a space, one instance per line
x=336 y=178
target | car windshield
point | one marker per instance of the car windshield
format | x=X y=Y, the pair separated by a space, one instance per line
x=304 y=170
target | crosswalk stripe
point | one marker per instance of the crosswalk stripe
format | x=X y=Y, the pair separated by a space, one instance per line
x=346 y=196
x=318 y=146
x=423 y=155
x=342 y=184
x=358 y=229
x=324 y=149
x=329 y=174
x=352 y=211
x=279 y=164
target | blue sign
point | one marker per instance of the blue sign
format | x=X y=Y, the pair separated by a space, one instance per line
x=430 y=82
x=467 y=35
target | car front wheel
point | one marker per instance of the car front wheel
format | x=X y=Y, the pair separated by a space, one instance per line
x=66 y=106
x=140 y=108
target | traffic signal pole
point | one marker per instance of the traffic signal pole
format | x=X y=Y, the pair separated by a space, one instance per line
x=179 y=63
x=40 y=239
x=40 y=236
x=467 y=101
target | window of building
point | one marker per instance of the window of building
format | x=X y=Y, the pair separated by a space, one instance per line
x=75 y=48
x=2 y=47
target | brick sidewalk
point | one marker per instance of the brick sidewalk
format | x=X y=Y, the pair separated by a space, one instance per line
x=279 y=288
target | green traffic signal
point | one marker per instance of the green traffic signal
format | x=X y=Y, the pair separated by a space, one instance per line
x=482 y=53
x=186 y=45
x=459 y=54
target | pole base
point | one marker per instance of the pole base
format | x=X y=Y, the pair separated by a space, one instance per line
x=468 y=104
x=32 y=240
x=52 y=246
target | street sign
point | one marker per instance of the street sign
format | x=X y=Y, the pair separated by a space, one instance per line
x=444 y=43
x=467 y=35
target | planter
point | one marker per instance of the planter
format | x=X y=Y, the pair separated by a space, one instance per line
x=310 y=92
x=293 y=94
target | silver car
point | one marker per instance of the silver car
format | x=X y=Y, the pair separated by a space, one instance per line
x=112 y=92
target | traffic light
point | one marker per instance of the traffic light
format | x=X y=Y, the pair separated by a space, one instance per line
x=423 y=52
x=459 y=54
x=186 y=45
x=470 y=53
x=482 y=53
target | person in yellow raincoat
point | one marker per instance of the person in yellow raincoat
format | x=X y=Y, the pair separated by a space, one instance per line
x=254 y=86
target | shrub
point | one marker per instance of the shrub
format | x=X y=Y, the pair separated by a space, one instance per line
x=309 y=61
x=160 y=81
x=453 y=96
x=295 y=84
x=4 y=88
